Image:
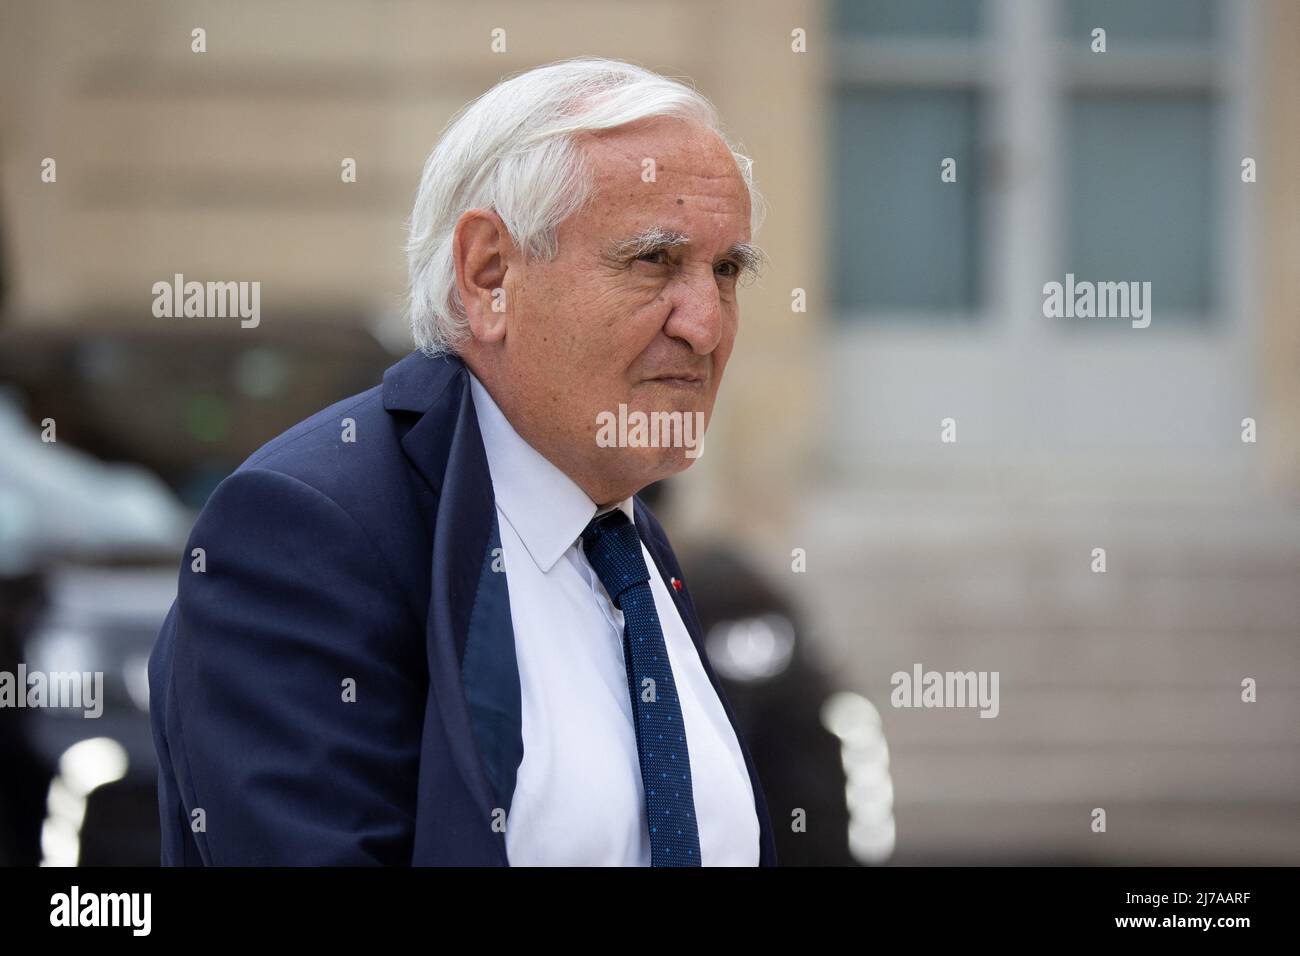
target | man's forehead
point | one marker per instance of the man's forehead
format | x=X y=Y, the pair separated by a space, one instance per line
x=675 y=177
x=672 y=189
x=679 y=151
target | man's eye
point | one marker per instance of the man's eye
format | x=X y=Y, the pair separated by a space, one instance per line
x=728 y=264
x=654 y=256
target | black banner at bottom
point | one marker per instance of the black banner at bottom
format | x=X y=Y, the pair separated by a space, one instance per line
x=331 y=906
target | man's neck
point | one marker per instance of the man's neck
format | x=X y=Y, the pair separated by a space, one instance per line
x=604 y=497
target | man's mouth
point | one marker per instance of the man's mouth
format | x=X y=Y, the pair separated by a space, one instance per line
x=689 y=380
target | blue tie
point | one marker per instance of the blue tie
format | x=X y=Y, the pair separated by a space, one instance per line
x=614 y=550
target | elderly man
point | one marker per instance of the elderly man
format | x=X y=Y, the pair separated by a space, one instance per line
x=432 y=624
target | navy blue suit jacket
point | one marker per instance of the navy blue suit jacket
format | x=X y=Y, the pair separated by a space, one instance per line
x=367 y=564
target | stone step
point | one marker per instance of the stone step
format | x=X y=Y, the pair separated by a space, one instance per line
x=1167 y=834
x=848 y=599
x=1091 y=776
x=1036 y=719
x=1083 y=656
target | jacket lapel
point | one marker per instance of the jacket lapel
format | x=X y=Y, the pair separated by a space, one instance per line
x=490 y=676
x=473 y=674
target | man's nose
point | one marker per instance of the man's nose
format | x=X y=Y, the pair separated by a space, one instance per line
x=696 y=318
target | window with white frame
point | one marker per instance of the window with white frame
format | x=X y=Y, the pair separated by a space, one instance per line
x=1133 y=138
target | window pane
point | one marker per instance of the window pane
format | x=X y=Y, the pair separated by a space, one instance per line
x=902 y=238
x=1144 y=21
x=908 y=17
x=1139 y=196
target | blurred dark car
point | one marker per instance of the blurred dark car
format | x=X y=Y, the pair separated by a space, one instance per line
x=103 y=799
x=89 y=551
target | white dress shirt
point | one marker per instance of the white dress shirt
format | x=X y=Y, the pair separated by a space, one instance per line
x=578 y=798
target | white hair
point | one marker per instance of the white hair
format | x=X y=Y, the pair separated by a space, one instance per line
x=513 y=150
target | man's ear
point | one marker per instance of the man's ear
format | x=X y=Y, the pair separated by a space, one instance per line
x=480 y=248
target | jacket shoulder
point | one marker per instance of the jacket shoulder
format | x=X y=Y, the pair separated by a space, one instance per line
x=345 y=451
x=318 y=438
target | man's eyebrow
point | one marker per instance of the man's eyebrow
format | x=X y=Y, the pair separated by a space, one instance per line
x=646 y=241
x=748 y=256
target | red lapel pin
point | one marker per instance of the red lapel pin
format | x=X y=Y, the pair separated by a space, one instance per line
x=677 y=584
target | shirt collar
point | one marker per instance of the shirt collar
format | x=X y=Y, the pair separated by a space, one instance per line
x=544 y=506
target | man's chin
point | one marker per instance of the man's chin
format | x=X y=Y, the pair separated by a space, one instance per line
x=641 y=467
x=656 y=464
